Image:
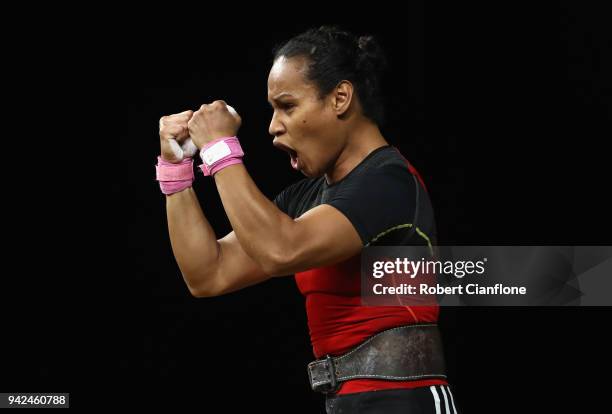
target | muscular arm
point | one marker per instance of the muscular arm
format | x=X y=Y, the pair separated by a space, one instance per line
x=210 y=267
x=265 y=241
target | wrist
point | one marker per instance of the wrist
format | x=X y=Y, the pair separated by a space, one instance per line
x=220 y=153
x=174 y=177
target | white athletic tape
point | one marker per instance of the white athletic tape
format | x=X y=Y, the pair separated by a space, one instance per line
x=185 y=150
x=232 y=110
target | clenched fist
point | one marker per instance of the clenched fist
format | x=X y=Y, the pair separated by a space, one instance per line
x=176 y=145
x=213 y=121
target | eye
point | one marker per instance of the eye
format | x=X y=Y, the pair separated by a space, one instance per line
x=287 y=106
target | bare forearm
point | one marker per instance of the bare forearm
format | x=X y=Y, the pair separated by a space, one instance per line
x=193 y=240
x=259 y=225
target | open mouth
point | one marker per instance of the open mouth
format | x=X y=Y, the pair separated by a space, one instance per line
x=293 y=155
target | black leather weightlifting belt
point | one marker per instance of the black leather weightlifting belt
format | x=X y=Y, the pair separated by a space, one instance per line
x=404 y=353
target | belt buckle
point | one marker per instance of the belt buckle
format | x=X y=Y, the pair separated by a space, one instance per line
x=330 y=369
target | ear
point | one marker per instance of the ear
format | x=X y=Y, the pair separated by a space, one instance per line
x=342 y=97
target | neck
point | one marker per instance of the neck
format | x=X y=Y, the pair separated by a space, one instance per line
x=365 y=139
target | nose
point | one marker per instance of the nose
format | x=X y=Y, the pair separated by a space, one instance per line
x=276 y=128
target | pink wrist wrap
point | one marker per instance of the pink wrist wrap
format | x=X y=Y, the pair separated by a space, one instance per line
x=174 y=177
x=220 y=153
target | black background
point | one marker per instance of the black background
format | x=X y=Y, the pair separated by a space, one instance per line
x=504 y=112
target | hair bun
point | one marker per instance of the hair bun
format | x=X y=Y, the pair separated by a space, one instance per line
x=371 y=55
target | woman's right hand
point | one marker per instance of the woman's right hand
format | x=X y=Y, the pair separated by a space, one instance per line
x=176 y=145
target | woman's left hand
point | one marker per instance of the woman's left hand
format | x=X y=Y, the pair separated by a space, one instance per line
x=213 y=121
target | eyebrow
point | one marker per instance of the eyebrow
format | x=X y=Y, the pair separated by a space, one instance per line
x=281 y=95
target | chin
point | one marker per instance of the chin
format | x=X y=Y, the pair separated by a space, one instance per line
x=312 y=174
